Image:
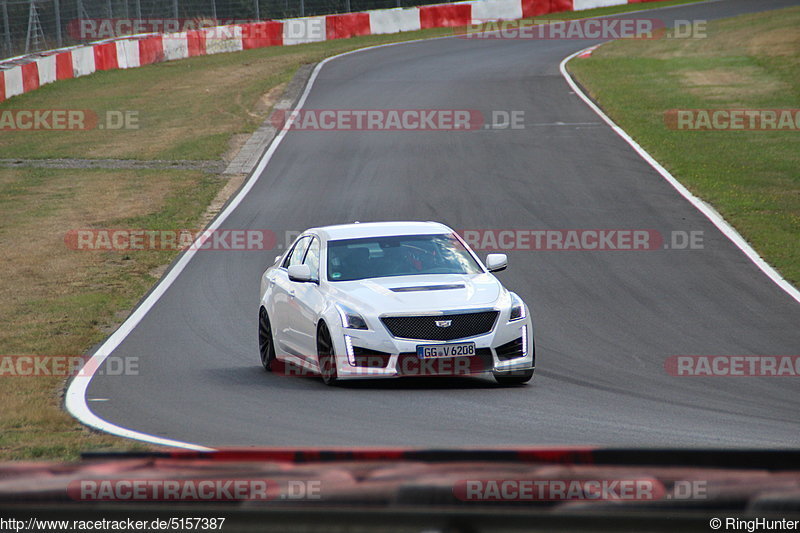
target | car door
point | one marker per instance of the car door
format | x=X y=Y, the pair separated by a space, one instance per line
x=284 y=292
x=309 y=303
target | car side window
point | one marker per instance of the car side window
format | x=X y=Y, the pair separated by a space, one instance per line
x=295 y=256
x=312 y=258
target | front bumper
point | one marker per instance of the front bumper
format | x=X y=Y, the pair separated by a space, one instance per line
x=370 y=354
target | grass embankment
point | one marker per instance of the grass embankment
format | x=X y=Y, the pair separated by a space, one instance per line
x=57 y=301
x=750 y=62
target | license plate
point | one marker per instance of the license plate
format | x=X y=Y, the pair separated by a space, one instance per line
x=426 y=351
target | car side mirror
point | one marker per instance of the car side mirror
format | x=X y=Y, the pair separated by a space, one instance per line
x=300 y=273
x=496 y=262
x=277 y=258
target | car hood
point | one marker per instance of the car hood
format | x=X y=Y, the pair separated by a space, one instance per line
x=423 y=293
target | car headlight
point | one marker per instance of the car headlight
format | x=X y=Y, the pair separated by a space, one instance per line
x=517 y=308
x=351 y=319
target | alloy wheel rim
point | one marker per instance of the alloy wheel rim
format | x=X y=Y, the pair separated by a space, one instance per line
x=264 y=337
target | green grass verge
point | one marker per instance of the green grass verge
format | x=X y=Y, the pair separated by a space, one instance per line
x=747 y=62
x=60 y=301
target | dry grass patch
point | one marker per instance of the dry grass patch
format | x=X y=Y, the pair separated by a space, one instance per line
x=732 y=85
x=779 y=42
x=58 y=301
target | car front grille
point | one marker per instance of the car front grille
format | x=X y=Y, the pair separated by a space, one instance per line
x=510 y=350
x=408 y=364
x=424 y=327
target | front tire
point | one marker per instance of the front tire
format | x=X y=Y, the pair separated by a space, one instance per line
x=325 y=355
x=266 y=346
x=517 y=377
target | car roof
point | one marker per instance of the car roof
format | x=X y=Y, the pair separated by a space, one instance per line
x=379 y=229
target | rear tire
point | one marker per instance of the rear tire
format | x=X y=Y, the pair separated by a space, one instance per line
x=266 y=346
x=517 y=377
x=325 y=355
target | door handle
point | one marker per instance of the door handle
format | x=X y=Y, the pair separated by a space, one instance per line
x=291 y=293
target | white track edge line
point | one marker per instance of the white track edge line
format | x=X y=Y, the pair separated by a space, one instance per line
x=702 y=206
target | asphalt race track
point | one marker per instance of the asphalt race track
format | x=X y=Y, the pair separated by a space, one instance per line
x=606 y=320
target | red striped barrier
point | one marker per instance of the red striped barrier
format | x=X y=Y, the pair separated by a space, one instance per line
x=347 y=25
x=30 y=77
x=445 y=15
x=196 y=41
x=151 y=50
x=105 y=56
x=535 y=8
x=262 y=34
x=64 y=66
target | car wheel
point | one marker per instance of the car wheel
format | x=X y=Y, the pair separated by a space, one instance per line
x=517 y=377
x=325 y=355
x=266 y=346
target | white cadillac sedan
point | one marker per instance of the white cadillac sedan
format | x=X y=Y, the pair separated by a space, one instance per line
x=392 y=299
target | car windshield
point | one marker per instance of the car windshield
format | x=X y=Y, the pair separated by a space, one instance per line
x=404 y=255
